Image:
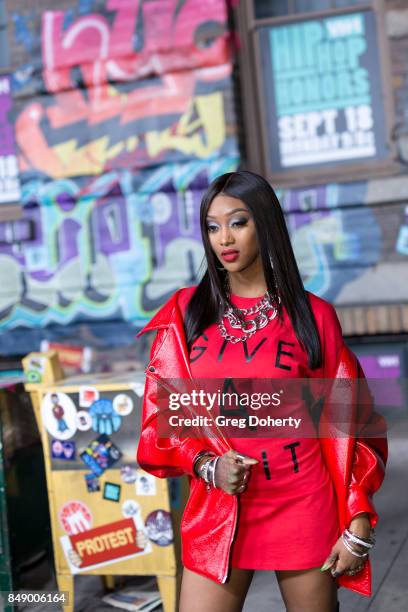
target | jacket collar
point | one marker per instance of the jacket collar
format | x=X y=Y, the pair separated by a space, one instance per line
x=170 y=316
x=164 y=316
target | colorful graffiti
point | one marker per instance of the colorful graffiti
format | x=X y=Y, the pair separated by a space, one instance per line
x=148 y=86
x=112 y=253
x=348 y=249
x=123 y=113
x=163 y=124
x=123 y=117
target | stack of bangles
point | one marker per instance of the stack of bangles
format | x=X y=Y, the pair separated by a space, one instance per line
x=206 y=470
x=357 y=546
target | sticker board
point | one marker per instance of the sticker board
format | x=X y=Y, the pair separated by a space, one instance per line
x=100 y=417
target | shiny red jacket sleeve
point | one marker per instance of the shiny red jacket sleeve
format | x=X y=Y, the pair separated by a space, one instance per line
x=163 y=456
x=370 y=454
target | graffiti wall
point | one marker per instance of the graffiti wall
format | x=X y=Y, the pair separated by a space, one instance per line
x=349 y=250
x=123 y=115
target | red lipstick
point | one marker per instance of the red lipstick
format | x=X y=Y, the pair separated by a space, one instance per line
x=230 y=255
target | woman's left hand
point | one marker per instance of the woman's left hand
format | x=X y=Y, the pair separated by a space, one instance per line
x=340 y=560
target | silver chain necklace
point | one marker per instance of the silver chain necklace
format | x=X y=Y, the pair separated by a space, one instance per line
x=265 y=311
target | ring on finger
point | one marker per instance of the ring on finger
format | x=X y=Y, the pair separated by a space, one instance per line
x=353 y=572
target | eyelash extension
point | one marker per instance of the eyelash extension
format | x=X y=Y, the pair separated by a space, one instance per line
x=240 y=223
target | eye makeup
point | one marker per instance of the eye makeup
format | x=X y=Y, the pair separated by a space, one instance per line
x=238 y=222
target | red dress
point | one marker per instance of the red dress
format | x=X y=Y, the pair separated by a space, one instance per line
x=287 y=515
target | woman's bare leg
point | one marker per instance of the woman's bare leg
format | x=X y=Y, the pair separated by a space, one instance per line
x=307 y=590
x=204 y=595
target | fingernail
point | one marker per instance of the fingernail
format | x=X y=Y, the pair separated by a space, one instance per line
x=335 y=574
x=325 y=566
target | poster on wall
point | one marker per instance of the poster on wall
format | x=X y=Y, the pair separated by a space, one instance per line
x=9 y=178
x=324 y=102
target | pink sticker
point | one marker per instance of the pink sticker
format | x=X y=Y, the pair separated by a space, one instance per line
x=75 y=517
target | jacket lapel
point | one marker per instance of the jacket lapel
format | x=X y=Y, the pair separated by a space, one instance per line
x=163 y=316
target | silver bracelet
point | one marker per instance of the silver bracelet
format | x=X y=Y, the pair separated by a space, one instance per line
x=204 y=468
x=200 y=455
x=213 y=471
x=354 y=538
x=350 y=549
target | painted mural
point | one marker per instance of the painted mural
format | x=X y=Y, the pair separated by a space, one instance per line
x=123 y=115
x=348 y=249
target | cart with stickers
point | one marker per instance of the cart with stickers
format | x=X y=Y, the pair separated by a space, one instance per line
x=108 y=516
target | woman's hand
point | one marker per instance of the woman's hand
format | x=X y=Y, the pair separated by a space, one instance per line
x=233 y=471
x=340 y=560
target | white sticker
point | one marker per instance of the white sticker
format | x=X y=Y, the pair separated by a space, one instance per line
x=128 y=474
x=59 y=415
x=145 y=484
x=37 y=364
x=123 y=404
x=84 y=420
x=87 y=396
x=130 y=509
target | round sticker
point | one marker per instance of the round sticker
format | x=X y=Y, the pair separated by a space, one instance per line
x=57 y=447
x=130 y=508
x=128 y=474
x=84 y=421
x=159 y=528
x=59 y=415
x=75 y=517
x=123 y=404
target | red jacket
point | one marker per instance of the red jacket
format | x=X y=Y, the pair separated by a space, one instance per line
x=209 y=520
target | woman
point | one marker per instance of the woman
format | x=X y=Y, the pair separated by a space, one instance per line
x=298 y=505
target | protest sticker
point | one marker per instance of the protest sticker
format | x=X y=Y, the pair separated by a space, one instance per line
x=103 y=545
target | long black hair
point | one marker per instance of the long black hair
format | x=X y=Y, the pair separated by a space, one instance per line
x=280 y=269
